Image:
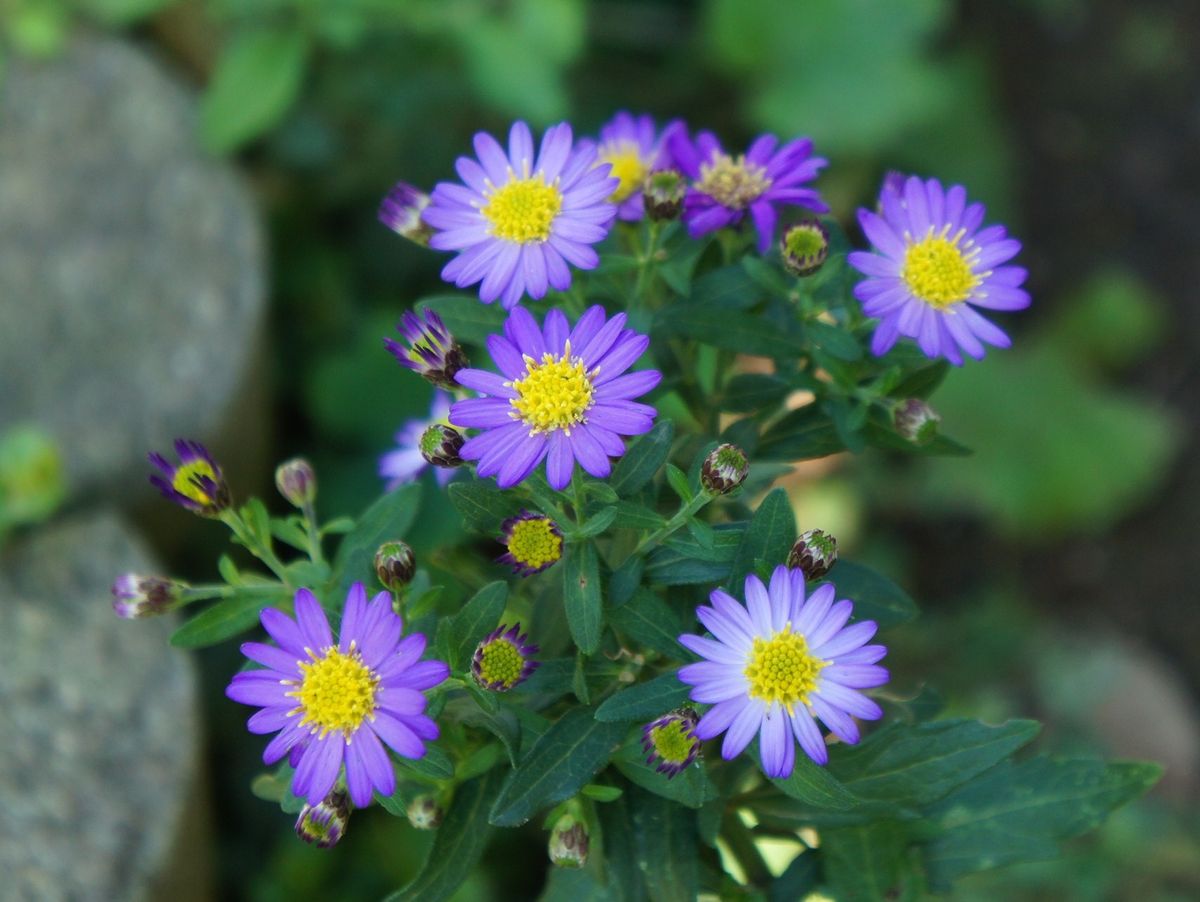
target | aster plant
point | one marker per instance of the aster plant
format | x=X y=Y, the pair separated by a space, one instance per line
x=663 y=666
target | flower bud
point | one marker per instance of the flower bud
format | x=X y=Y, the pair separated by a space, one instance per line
x=534 y=542
x=440 y=445
x=424 y=813
x=429 y=349
x=569 y=843
x=916 y=421
x=663 y=194
x=503 y=659
x=893 y=183
x=724 y=469
x=325 y=822
x=197 y=483
x=136 y=596
x=401 y=212
x=815 y=552
x=670 y=742
x=804 y=247
x=296 y=481
x=395 y=565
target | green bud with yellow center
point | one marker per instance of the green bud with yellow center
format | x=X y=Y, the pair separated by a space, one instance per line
x=804 y=247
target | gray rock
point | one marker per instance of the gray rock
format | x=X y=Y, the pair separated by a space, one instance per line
x=131 y=264
x=100 y=731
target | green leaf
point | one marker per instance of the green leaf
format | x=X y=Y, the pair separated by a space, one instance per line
x=636 y=516
x=667 y=846
x=691 y=787
x=624 y=581
x=1015 y=813
x=434 y=767
x=679 y=482
x=733 y=330
x=702 y=533
x=834 y=341
x=798 y=880
x=467 y=319
x=602 y=793
x=643 y=459
x=644 y=701
x=458 y=844
x=483 y=506
x=875 y=596
x=559 y=764
x=729 y=287
x=478 y=617
x=748 y=392
x=225 y=619
x=620 y=850
x=813 y=785
x=864 y=862
x=915 y=764
x=768 y=538
x=581 y=596
x=501 y=723
x=684 y=561
x=386 y=520
x=596 y=523
x=922 y=382
x=802 y=434
x=647 y=620
x=256 y=81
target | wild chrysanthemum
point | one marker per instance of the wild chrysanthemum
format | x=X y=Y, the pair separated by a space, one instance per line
x=670 y=742
x=406 y=462
x=517 y=221
x=560 y=397
x=534 y=542
x=724 y=187
x=197 y=483
x=633 y=148
x=778 y=663
x=331 y=703
x=931 y=266
x=504 y=659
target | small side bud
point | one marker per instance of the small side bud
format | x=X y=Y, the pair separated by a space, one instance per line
x=815 y=552
x=893 y=183
x=401 y=212
x=136 y=596
x=440 y=445
x=297 y=482
x=429 y=348
x=663 y=194
x=324 y=824
x=916 y=421
x=569 y=843
x=395 y=565
x=804 y=247
x=724 y=469
x=424 y=813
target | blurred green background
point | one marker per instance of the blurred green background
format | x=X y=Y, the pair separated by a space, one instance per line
x=1055 y=567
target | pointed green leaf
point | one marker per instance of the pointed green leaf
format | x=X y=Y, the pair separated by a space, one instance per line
x=768 y=538
x=386 y=520
x=478 y=617
x=644 y=701
x=643 y=459
x=814 y=785
x=875 y=596
x=225 y=619
x=691 y=787
x=864 y=862
x=649 y=621
x=581 y=596
x=803 y=434
x=467 y=319
x=667 y=846
x=483 y=506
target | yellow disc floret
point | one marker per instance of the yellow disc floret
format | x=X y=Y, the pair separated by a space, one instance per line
x=534 y=544
x=337 y=691
x=673 y=742
x=627 y=165
x=732 y=183
x=188 y=478
x=781 y=669
x=501 y=664
x=523 y=210
x=938 y=271
x=555 y=394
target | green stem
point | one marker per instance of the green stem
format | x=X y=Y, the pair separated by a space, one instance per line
x=314 y=535
x=645 y=266
x=263 y=551
x=681 y=517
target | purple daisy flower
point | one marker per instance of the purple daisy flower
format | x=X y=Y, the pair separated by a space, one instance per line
x=561 y=397
x=778 y=663
x=432 y=351
x=504 y=659
x=331 y=704
x=197 y=483
x=724 y=187
x=670 y=743
x=518 y=221
x=632 y=147
x=407 y=462
x=931 y=266
x=534 y=542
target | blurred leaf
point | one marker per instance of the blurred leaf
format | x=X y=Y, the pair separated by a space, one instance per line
x=32 y=477
x=666 y=840
x=725 y=326
x=458 y=844
x=629 y=515
x=36 y=27
x=1020 y=812
x=464 y=315
x=812 y=784
x=864 y=862
x=835 y=340
x=769 y=538
x=645 y=701
x=123 y=12
x=643 y=459
x=748 y=392
x=684 y=561
x=647 y=620
x=466 y=629
x=483 y=506
x=875 y=596
x=256 y=81
x=434 y=767
x=798 y=880
x=561 y=762
x=801 y=434
x=386 y=520
x=225 y=619
x=581 y=596
x=1113 y=320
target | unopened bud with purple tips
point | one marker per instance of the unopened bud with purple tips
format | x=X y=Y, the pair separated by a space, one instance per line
x=401 y=212
x=724 y=469
x=440 y=445
x=324 y=824
x=136 y=596
x=431 y=350
x=395 y=565
x=815 y=553
x=916 y=421
x=297 y=482
x=804 y=247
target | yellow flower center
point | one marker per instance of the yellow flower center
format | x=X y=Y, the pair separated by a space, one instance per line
x=672 y=742
x=534 y=543
x=187 y=480
x=502 y=664
x=732 y=183
x=337 y=691
x=555 y=394
x=523 y=210
x=937 y=270
x=781 y=669
x=627 y=165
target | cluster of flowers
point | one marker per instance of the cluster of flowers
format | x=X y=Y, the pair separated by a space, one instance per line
x=566 y=393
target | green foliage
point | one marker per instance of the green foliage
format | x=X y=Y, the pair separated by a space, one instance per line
x=32 y=478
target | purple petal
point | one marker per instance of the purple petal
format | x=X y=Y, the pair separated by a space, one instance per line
x=775 y=744
x=314 y=627
x=397 y=735
x=742 y=730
